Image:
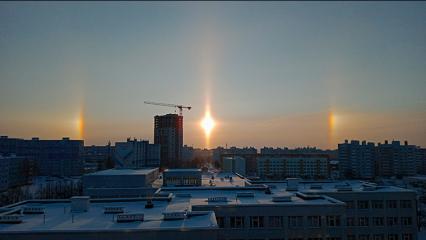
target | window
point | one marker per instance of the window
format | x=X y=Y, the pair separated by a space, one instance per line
x=378 y=221
x=295 y=221
x=220 y=222
x=314 y=221
x=392 y=221
x=275 y=221
x=350 y=204
x=333 y=221
x=237 y=222
x=350 y=221
x=363 y=204
x=405 y=203
x=407 y=236
x=406 y=221
x=363 y=237
x=256 y=222
x=363 y=221
x=391 y=204
x=378 y=237
x=377 y=204
x=393 y=237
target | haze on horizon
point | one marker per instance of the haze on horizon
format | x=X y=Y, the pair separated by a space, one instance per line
x=271 y=73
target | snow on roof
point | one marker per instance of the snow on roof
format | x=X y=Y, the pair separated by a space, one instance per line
x=330 y=186
x=59 y=217
x=115 y=171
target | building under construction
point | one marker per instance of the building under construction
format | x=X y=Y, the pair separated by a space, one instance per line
x=168 y=132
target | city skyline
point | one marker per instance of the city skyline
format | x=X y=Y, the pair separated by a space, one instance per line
x=270 y=74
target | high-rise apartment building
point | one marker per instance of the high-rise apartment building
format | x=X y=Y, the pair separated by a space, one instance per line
x=15 y=171
x=394 y=159
x=357 y=160
x=168 y=132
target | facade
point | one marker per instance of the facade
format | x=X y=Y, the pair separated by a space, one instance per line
x=136 y=154
x=357 y=160
x=312 y=166
x=235 y=164
x=421 y=155
x=52 y=157
x=113 y=183
x=182 y=177
x=168 y=132
x=98 y=158
x=394 y=159
x=15 y=171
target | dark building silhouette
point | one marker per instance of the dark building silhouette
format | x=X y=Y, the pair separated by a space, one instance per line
x=168 y=132
x=52 y=157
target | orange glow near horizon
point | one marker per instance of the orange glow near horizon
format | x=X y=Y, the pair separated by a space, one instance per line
x=80 y=125
x=331 y=127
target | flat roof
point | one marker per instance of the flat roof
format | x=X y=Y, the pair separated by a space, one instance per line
x=200 y=196
x=96 y=219
x=330 y=186
x=182 y=170
x=123 y=171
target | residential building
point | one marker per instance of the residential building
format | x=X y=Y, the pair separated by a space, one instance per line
x=136 y=154
x=281 y=166
x=357 y=160
x=234 y=164
x=98 y=158
x=52 y=157
x=15 y=171
x=168 y=132
x=394 y=159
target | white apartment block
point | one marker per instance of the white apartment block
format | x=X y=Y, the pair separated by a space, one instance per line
x=297 y=165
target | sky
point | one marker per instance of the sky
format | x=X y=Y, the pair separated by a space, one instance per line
x=279 y=74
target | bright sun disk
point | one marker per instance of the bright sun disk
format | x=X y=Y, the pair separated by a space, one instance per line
x=207 y=124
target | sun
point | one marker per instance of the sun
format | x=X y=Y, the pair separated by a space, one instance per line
x=207 y=123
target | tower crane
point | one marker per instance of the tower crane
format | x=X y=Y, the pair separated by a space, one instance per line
x=180 y=107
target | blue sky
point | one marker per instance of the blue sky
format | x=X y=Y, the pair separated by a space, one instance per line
x=272 y=72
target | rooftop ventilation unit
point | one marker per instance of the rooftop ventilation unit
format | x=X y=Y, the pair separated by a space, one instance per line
x=245 y=194
x=217 y=199
x=281 y=198
x=183 y=195
x=80 y=203
x=33 y=210
x=111 y=209
x=174 y=215
x=130 y=217
x=11 y=218
x=343 y=187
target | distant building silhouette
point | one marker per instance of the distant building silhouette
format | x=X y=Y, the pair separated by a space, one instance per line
x=98 y=157
x=15 y=171
x=136 y=154
x=52 y=157
x=168 y=132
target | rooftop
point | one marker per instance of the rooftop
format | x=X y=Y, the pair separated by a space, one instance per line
x=58 y=217
x=115 y=171
x=182 y=170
